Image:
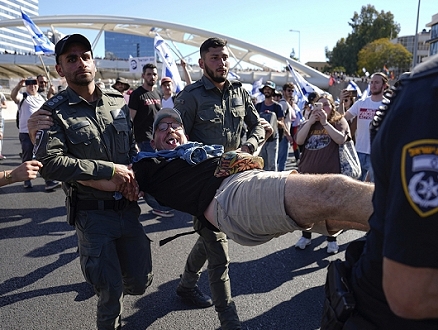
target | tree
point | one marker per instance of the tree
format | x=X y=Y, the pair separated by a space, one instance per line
x=382 y=53
x=367 y=26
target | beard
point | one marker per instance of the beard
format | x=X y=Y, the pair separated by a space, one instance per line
x=214 y=77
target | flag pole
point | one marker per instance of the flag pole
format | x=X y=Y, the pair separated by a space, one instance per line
x=45 y=69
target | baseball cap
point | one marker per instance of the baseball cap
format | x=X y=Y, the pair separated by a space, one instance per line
x=62 y=44
x=165 y=79
x=166 y=113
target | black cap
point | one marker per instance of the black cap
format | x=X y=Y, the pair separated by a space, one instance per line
x=62 y=44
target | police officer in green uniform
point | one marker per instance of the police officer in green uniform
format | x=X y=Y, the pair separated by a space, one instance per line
x=92 y=139
x=214 y=111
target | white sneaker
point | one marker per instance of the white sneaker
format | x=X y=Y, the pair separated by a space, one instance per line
x=332 y=247
x=302 y=243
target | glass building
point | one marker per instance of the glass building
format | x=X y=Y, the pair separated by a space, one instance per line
x=122 y=46
x=433 y=42
x=16 y=39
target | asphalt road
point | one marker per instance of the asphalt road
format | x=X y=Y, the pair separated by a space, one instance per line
x=274 y=285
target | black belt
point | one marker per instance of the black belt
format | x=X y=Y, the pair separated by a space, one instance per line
x=92 y=204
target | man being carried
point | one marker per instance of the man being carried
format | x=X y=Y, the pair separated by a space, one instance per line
x=233 y=203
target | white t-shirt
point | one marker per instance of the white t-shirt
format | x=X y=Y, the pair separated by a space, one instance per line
x=167 y=103
x=364 y=110
x=30 y=104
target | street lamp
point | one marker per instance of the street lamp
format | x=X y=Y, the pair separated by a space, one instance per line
x=299 y=43
x=416 y=38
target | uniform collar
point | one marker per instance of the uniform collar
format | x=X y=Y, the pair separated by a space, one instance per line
x=209 y=84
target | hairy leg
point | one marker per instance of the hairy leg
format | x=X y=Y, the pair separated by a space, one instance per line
x=337 y=200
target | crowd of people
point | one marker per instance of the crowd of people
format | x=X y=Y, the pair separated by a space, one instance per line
x=219 y=153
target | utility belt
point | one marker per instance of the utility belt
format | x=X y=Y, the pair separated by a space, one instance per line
x=339 y=302
x=92 y=204
x=73 y=204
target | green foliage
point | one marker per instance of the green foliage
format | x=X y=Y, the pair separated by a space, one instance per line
x=367 y=26
x=379 y=53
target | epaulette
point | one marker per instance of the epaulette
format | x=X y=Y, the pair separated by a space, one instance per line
x=193 y=86
x=111 y=92
x=56 y=100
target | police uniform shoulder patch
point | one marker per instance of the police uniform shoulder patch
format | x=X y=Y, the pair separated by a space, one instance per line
x=56 y=100
x=419 y=174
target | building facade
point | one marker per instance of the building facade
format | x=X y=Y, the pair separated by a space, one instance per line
x=123 y=46
x=433 y=41
x=16 y=40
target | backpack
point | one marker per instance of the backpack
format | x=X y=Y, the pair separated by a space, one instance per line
x=17 y=117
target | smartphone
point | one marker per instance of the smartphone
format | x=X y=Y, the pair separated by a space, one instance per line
x=30 y=82
x=317 y=106
x=353 y=93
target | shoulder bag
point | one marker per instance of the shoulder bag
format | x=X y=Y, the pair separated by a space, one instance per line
x=349 y=160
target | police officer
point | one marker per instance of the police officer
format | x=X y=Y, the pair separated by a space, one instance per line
x=214 y=111
x=92 y=139
x=395 y=280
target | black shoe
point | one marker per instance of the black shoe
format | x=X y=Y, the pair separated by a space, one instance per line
x=195 y=296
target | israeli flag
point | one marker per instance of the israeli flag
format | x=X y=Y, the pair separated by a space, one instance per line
x=169 y=66
x=232 y=76
x=41 y=43
x=352 y=86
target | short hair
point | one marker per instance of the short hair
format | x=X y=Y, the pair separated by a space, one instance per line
x=288 y=85
x=211 y=43
x=149 y=66
x=381 y=74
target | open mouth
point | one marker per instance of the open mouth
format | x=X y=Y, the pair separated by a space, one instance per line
x=172 y=141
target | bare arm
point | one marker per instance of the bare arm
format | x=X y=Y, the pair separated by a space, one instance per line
x=132 y=113
x=26 y=171
x=412 y=292
x=15 y=96
x=187 y=77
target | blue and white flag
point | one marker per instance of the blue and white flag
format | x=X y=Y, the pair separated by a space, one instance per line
x=170 y=68
x=256 y=87
x=41 y=43
x=366 y=93
x=232 y=76
x=352 y=86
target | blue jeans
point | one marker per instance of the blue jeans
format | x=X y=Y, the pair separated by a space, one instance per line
x=283 y=152
x=151 y=201
x=269 y=153
x=365 y=166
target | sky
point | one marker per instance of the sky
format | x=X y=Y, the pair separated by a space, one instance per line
x=267 y=24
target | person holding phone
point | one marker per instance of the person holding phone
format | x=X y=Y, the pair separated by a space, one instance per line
x=320 y=137
x=348 y=97
x=28 y=102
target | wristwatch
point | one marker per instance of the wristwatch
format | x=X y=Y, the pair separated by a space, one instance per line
x=250 y=147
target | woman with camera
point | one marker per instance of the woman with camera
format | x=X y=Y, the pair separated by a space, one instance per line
x=320 y=137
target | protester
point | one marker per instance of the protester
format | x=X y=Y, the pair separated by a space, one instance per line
x=289 y=109
x=394 y=274
x=273 y=113
x=28 y=102
x=144 y=103
x=210 y=120
x=96 y=143
x=320 y=137
x=365 y=110
x=44 y=89
x=26 y=171
x=121 y=85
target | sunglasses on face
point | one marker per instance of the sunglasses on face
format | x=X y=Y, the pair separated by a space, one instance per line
x=162 y=127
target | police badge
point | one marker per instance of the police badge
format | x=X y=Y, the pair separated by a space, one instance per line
x=419 y=171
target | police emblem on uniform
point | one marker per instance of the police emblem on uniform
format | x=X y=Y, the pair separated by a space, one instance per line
x=420 y=176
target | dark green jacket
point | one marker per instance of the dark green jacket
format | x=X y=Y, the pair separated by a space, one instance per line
x=86 y=141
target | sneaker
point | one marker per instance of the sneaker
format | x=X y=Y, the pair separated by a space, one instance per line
x=194 y=296
x=2 y=157
x=302 y=243
x=28 y=184
x=332 y=247
x=164 y=214
x=50 y=185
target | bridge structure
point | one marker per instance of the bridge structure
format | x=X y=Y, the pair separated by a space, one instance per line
x=264 y=62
